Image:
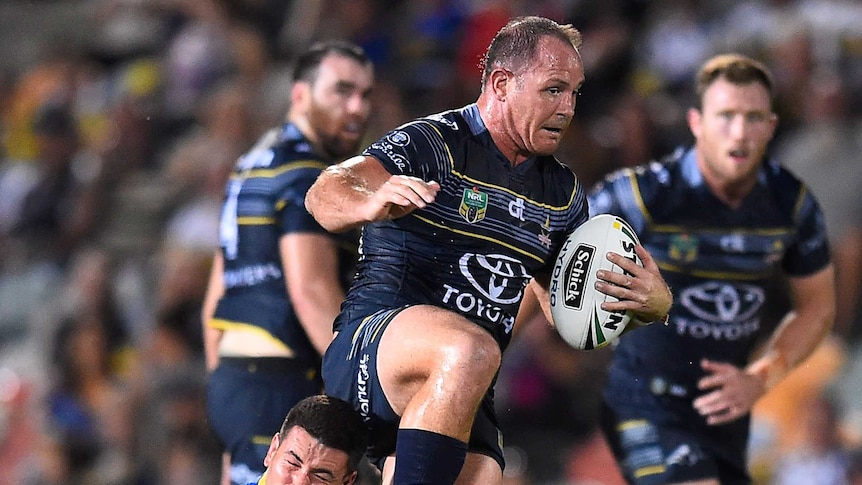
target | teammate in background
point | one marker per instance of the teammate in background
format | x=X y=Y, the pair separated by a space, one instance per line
x=720 y=218
x=322 y=440
x=463 y=213
x=278 y=281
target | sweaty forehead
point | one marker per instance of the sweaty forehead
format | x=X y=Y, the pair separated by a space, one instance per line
x=557 y=56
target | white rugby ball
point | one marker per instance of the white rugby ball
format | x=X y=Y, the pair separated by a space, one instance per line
x=575 y=301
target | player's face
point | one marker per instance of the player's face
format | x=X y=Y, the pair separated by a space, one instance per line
x=340 y=104
x=298 y=458
x=542 y=98
x=732 y=130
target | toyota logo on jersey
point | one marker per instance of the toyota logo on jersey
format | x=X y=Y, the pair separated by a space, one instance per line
x=497 y=277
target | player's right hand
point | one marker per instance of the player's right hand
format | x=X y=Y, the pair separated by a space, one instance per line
x=399 y=196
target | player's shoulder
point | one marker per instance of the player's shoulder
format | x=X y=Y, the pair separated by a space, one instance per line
x=780 y=177
x=654 y=175
x=451 y=126
x=785 y=186
x=552 y=169
x=277 y=148
x=292 y=149
x=560 y=185
x=450 y=120
x=445 y=126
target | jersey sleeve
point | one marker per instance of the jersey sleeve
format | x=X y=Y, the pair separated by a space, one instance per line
x=810 y=253
x=625 y=193
x=411 y=149
x=602 y=199
x=292 y=217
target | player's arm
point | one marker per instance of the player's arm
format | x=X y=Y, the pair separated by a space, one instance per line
x=215 y=289
x=536 y=304
x=732 y=392
x=360 y=190
x=801 y=330
x=311 y=275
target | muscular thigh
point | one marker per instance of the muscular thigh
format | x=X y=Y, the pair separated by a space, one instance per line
x=379 y=351
x=417 y=341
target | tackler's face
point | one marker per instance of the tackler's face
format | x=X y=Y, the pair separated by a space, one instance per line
x=543 y=96
x=299 y=458
x=340 y=104
x=732 y=129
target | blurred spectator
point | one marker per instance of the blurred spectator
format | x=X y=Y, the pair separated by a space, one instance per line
x=197 y=56
x=47 y=80
x=425 y=59
x=175 y=445
x=88 y=294
x=824 y=150
x=776 y=417
x=675 y=43
x=854 y=468
x=822 y=458
x=44 y=224
x=19 y=426
x=85 y=404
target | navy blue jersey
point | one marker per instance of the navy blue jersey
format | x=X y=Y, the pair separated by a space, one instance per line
x=717 y=260
x=491 y=227
x=264 y=200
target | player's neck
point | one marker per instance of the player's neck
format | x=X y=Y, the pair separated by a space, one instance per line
x=496 y=124
x=304 y=126
x=730 y=192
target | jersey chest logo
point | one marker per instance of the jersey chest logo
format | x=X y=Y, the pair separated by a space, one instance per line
x=474 y=205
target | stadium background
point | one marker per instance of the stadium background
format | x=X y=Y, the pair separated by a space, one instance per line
x=106 y=230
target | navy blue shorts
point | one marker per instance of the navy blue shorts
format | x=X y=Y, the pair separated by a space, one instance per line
x=653 y=447
x=247 y=400
x=350 y=373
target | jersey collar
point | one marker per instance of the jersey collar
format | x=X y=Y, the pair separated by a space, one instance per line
x=290 y=132
x=690 y=171
x=470 y=114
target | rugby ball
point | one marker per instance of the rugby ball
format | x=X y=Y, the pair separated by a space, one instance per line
x=575 y=301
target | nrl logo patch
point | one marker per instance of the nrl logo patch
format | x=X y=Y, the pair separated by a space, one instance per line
x=474 y=205
x=683 y=248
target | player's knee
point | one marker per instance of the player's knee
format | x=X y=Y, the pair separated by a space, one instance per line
x=472 y=356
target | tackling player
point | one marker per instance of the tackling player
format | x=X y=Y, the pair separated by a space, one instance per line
x=322 y=440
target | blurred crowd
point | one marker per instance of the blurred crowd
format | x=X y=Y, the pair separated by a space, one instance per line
x=120 y=120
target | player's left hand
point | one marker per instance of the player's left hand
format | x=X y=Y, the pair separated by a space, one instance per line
x=641 y=289
x=733 y=392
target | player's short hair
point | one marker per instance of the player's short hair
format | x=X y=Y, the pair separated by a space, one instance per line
x=734 y=68
x=514 y=46
x=331 y=421
x=306 y=66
